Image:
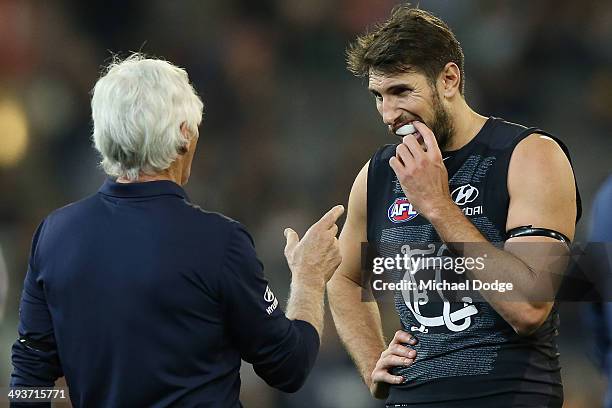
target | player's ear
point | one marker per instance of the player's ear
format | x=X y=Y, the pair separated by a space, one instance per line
x=450 y=79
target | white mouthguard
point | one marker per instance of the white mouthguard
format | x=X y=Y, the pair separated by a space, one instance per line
x=405 y=130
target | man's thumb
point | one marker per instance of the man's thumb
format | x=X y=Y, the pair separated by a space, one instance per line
x=292 y=239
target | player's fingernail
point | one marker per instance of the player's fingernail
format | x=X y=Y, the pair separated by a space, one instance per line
x=413 y=340
x=411 y=353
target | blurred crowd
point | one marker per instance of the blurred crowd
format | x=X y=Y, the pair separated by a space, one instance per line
x=286 y=127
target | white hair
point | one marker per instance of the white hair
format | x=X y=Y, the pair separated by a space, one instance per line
x=138 y=107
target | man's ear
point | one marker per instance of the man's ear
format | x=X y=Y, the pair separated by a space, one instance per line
x=450 y=80
x=187 y=135
x=185 y=130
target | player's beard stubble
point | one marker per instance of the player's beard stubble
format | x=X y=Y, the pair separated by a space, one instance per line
x=442 y=126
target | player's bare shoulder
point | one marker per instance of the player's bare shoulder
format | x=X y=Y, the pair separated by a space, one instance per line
x=539 y=152
x=539 y=160
x=357 y=208
x=541 y=185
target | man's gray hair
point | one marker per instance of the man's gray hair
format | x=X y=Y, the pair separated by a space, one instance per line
x=138 y=106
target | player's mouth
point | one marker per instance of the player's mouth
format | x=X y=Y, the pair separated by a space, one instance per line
x=403 y=129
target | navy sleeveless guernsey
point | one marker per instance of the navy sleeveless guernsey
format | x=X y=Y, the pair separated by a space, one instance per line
x=467 y=355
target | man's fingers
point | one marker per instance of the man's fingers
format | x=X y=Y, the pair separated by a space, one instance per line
x=404 y=155
x=334 y=229
x=413 y=146
x=292 y=240
x=396 y=165
x=384 y=377
x=330 y=217
x=395 y=361
x=404 y=337
x=398 y=350
x=403 y=351
x=428 y=137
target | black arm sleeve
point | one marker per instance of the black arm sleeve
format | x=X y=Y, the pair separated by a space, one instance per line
x=34 y=354
x=282 y=351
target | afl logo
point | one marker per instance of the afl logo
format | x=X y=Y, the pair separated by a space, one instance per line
x=464 y=194
x=401 y=210
x=268 y=295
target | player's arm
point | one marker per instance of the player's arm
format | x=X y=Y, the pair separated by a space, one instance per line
x=358 y=323
x=542 y=194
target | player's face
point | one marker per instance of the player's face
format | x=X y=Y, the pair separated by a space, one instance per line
x=409 y=96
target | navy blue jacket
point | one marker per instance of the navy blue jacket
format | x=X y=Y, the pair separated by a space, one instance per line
x=142 y=299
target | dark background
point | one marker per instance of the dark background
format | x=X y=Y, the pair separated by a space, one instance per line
x=286 y=127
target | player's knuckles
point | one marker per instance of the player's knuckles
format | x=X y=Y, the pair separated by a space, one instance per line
x=398 y=349
x=412 y=144
x=402 y=337
x=394 y=379
x=410 y=172
x=393 y=163
x=395 y=361
x=405 y=361
x=402 y=150
x=407 y=352
x=420 y=162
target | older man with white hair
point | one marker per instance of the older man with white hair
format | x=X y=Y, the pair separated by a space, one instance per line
x=142 y=299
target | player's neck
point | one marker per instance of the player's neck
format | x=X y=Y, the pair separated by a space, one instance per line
x=466 y=125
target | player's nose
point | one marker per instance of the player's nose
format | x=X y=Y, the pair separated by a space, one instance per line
x=390 y=112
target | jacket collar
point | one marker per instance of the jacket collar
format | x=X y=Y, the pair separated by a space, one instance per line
x=145 y=189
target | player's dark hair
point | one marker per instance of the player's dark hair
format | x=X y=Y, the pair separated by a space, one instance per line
x=411 y=39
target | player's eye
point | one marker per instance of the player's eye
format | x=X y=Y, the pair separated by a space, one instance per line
x=402 y=91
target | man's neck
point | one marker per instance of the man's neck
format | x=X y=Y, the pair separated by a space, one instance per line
x=171 y=174
x=466 y=125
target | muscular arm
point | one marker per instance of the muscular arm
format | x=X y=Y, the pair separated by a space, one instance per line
x=358 y=323
x=542 y=194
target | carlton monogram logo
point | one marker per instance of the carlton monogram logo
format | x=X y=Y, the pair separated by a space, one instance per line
x=464 y=194
x=418 y=298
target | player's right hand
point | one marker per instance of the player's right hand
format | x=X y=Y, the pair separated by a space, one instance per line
x=316 y=256
x=396 y=355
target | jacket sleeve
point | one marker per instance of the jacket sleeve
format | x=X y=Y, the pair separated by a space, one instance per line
x=34 y=354
x=282 y=351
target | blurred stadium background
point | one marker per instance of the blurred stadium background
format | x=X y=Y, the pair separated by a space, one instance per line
x=286 y=127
